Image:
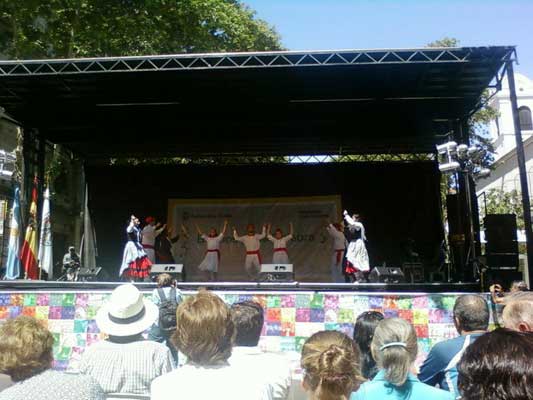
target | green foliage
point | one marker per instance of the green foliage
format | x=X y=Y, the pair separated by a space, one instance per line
x=444 y=42
x=502 y=202
x=95 y=28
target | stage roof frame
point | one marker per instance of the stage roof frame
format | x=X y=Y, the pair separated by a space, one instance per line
x=293 y=102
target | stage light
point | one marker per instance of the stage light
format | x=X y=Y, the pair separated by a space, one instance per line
x=483 y=173
x=462 y=151
x=449 y=147
x=473 y=151
x=449 y=167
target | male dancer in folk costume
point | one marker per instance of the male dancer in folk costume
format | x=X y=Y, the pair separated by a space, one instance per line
x=356 y=257
x=135 y=264
x=149 y=233
x=164 y=243
x=252 y=263
x=280 y=254
x=211 y=261
x=339 y=247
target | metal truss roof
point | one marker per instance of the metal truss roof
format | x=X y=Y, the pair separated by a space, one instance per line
x=254 y=60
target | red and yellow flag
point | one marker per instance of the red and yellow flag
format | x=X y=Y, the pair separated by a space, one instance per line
x=28 y=254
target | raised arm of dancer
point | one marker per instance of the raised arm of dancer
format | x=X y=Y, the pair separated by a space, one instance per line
x=198 y=230
x=291 y=231
x=224 y=228
x=129 y=229
x=184 y=231
x=263 y=233
x=269 y=234
x=160 y=228
x=236 y=235
x=351 y=221
x=174 y=237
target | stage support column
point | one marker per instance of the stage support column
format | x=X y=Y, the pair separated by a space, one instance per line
x=521 y=167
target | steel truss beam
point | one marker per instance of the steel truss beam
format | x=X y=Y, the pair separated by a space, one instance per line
x=247 y=160
x=254 y=60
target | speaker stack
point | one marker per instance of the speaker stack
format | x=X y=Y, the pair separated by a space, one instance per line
x=502 y=244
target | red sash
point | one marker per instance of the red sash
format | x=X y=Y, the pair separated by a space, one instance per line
x=281 y=249
x=339 y=254
x=214 y=251
x=256 y=252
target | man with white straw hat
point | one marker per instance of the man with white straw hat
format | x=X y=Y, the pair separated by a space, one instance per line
x=125 y=362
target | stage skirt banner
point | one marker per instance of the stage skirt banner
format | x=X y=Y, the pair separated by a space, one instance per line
x=310 y=250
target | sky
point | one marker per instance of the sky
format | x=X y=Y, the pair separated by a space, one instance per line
x=368 y=24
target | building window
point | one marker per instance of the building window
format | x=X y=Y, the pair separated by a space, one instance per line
x=524 y=113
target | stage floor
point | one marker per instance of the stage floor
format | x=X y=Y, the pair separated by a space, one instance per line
x=24 y=286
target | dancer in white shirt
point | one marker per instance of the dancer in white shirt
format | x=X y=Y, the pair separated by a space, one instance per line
x=251 y=241
x=149 y=234
x=339 y=247
x=211 y=261
x=356 y=257
x=280 y=255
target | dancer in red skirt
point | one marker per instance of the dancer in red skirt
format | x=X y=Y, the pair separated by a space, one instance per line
x=135 y=264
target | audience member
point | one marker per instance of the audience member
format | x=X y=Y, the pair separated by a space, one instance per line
x=166 y=297
x=330 y=363
x=204 y=334
x=248 y=319
x=125 y=362
x=26 y=356
x=471 y=318
x=364 y=328
x=518 y=312
x=498 y=367
x=498 y=295
x=394 y=348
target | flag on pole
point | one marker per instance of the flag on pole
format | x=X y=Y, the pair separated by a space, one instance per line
x=28 y=255
x=45 y=242
x=88 y=247
x=13 y=260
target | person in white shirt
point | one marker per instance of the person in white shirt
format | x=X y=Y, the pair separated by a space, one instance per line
x=211 y=261
x=204 y=334
x=339 y=247
x=356 y=256
x=274 y=369
x=149 y=233
x=125 y=362
x=280 y=254
x=251 y=241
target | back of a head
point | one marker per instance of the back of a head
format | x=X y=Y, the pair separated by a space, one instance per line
x=472 y=313
x=330 y=361
x=497 y=366
x=519 y=286
x=248 y=318
x=204 y=331
x=25 y=348
x=164 y=280
x=518 y=312
x=363 y=333
x=394 y=348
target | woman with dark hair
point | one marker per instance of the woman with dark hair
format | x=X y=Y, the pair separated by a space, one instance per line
x=135 y=263
x=497 y=366
x=363 y=333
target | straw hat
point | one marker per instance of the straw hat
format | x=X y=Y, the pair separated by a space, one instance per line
x=126 y=313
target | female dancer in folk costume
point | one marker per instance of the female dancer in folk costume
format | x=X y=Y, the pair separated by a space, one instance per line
x=356 y=257
x=280 y=254
x=135 y=264
x=252 y=243
x=339 y=247
x=211 y=261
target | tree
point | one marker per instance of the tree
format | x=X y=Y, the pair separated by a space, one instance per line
x=95 y=28
x=501 y=202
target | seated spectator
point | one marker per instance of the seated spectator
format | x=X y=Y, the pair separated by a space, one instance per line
x=394 y=348
x=498 y=296
x=363 y=332
x=471 y=318
x=125 y=362
x=330 y=361
x=204 y=334
x=26 y=356
x=518 y=312
x=498 y=367
x=248 y=319
x=168 y=295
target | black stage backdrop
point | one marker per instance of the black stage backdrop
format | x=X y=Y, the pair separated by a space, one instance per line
x=399 y=202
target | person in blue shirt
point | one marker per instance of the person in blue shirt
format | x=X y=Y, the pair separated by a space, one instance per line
x=471 y=318
x=394 y=348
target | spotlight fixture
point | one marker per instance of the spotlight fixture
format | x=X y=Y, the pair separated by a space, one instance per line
x=450 y=167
